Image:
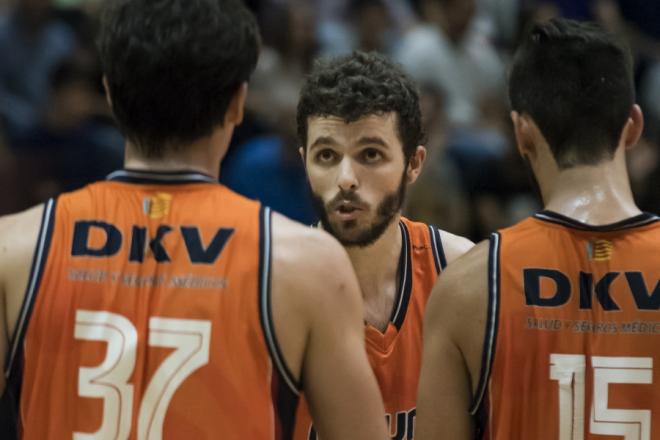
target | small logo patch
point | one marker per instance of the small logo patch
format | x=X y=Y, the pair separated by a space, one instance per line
x=600 y=250
x=158 y=206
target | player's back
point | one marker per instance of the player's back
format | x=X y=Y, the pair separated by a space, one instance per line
x=147 y=315
x=571 y=350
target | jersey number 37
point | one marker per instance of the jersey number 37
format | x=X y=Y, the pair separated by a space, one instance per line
x=190 y=339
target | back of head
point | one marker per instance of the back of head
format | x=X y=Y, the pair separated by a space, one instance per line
x=357 y=85
x=575 y=81
x=173 y=66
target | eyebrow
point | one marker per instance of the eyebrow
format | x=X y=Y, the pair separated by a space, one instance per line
x=323 y=140
x=372 y=140
x=366 y=140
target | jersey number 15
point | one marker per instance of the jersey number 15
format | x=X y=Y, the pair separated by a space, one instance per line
x=569 y=371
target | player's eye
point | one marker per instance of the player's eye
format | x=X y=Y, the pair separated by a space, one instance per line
x=372 y=155
x=326 y=156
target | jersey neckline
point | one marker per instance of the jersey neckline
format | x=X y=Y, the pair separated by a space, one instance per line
x=642 y=219
x=404 y=284
x=160 y=177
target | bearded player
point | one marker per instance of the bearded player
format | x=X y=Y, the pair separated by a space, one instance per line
x=359 y=124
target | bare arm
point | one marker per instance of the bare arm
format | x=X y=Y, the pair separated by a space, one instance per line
x=336 y=374
x=317 y=311
x=454 y=246
x=453 y=338
x=18 y=238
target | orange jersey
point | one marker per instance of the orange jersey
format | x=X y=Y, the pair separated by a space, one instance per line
x=572 y=347
x=395 y=355
x=148 y=316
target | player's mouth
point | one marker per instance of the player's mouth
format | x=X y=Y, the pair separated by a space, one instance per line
x=347 y=211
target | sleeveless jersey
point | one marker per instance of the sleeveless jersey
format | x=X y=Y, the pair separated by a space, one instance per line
x=572 y=348
x=147 y=316
x=395 y=355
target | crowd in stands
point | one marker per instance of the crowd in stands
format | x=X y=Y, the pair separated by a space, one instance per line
x=57 y=131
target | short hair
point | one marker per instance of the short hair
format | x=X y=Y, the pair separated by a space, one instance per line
x=576 y=82
x=173 y=66
x=362 y=84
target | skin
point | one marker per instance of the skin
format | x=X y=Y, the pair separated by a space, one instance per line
x=456 y=313
x=366 y=157
x=316 y=301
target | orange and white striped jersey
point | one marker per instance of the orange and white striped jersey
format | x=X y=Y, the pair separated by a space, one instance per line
x=396 y=354
x=572 y=348
x=147 y=316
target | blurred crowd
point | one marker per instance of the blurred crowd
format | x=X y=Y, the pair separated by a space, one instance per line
x=57 y=131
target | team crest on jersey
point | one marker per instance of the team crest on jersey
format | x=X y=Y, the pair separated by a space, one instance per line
x=158 y=206
x=599 y=250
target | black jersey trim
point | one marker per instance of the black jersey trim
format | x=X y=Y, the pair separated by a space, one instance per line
x=160 y=178
x=265 y=313
x=492 y=321
x=405 y=279
x=285 y=403
x=13 y=368
x=434 y=246
x=36 y=272
x=438 y=249
x=633 y=222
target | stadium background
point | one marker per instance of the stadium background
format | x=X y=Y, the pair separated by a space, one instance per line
x=57 y=134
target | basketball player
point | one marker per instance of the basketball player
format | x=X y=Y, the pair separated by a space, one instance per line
x=551 y=330
x=159 y=304
x=359 y=125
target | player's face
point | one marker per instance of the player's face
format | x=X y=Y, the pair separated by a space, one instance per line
x=357 y=173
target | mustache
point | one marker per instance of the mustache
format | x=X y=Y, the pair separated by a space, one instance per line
x=346 y=196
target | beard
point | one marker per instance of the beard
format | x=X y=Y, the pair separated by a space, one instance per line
x=349 y=233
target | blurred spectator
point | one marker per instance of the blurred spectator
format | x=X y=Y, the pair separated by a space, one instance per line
x=644 y=168
x=447 y=50
x=32 y=43
x=265 y=144
x=372 y=25
x=437 y=197
x=286 y=56
x=343 y=26
x=269 y=169
x=76 y=134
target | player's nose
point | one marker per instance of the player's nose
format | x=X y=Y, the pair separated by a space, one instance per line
x=347 y=177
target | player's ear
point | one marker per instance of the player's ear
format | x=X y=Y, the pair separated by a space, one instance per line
x=301 y=151
x=633 y=129
x=106 y=88
x=526 y=133
x=236 y=108
x=416 y=164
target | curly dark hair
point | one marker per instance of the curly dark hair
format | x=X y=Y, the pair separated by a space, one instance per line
x=173 y=66
x=357 y=85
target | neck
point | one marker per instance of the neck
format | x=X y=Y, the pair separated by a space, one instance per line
x=376 y=265
x=203 y=156
x=595 y=195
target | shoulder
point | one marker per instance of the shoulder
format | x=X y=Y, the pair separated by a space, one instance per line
x=461 y=290
x=18 y=240
x=309 y=258
x=454 y=246
x=417 y=44
x=20 y=230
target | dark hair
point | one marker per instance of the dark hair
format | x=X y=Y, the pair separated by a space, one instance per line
x=173 y=66
x=575 y=80
x=358 y=85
